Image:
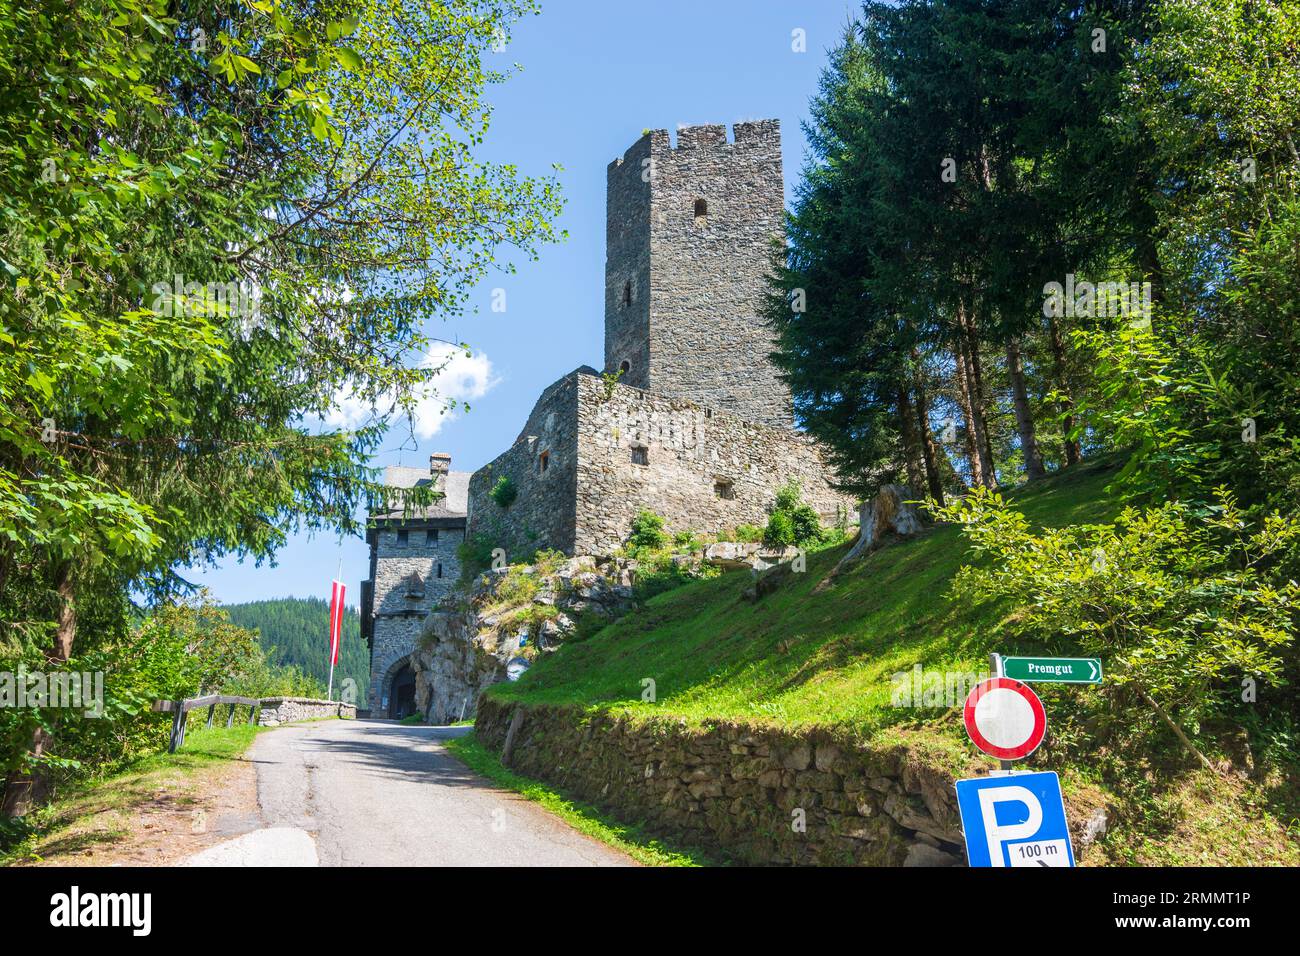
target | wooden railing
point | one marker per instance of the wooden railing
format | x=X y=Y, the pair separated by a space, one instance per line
x=179 y=708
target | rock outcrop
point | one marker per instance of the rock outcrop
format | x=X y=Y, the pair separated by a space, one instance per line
x=511 y=614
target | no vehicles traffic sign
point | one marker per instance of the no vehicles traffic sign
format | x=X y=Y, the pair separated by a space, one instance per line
x=1005 y=718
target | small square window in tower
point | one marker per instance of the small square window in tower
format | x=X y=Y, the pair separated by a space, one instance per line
x=431 y=536
x=701 y=212
x=640 y=455
x=543 y=462
x=724 y=488
x=402 y=538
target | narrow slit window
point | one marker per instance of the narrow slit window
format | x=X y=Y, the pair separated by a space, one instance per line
x=543 y=462
x=440 y=570
x=701 y=210
x=627 y=293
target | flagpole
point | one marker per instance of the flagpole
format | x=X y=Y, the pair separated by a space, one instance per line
x=329 y=694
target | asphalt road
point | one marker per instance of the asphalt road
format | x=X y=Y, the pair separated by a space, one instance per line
x=377 y=793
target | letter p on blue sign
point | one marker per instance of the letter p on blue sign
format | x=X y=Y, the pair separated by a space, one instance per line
x=1015 y=819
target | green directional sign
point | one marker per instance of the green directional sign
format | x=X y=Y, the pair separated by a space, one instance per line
x=1054 y=670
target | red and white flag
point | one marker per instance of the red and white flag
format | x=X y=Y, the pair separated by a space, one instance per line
x=336 y=620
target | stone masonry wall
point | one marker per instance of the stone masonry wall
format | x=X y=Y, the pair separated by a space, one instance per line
x=286 y=710
x=697 y=281
x=761 y=794
x=764 y=796
x=627 y=261
x=543 y=514
x=689 y=450
x=399 y=616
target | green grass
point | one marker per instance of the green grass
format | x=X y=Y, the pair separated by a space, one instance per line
x=583 y=817
x=75 y=821
x=798 y=658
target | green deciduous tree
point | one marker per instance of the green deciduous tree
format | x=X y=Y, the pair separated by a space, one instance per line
x=218 y=220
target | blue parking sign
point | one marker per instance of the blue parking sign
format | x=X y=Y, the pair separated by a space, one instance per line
x=1014 y=819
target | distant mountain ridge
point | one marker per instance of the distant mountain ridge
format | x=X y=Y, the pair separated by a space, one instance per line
x=296 y=631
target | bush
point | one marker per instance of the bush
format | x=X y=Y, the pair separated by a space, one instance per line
x=647 y=531
x=504 y=492
x=780 y=530
x=748 y=533
x=1182 y=604
x=807 y=525
x=793 y=521
x=789 y=496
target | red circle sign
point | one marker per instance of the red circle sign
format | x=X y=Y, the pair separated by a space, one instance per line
x=1005 y=718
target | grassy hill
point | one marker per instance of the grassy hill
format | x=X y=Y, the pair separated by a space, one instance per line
x=803 y=657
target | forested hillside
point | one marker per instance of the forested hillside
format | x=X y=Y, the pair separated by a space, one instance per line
x=295 y=632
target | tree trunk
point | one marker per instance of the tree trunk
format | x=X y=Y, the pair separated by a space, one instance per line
x=982 y=406
x=912 y=455
x=934 y=480
x=1073 y=453
x=1024 y=416
x=24 y=789
x=973 y=456
x=968 y=354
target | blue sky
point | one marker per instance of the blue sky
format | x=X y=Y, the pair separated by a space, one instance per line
x=595 y=73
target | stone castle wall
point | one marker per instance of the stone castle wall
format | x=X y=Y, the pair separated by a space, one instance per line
x=542 y=515
x=399 y=617
x=705 y=471
x=696 y=281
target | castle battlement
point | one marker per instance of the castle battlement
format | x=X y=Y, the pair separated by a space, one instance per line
x=763 y=133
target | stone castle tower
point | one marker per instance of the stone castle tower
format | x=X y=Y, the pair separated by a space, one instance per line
x=699 y=427
x=688 y=238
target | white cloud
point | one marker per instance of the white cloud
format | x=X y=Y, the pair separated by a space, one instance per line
x=460 y=377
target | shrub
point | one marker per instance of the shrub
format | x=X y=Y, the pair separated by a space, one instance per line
x=1182 y=604
x=504 y=492
x=798 y=522
x=647 y=531
x=748 y=533
x=686 y=540
x=789 y=496
x=780 y=530
x=807 y=525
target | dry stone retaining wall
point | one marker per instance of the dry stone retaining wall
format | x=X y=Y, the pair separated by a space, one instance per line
x=285 y=710
x=742 y=789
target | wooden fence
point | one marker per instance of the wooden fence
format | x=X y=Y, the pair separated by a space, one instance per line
x=179 y=708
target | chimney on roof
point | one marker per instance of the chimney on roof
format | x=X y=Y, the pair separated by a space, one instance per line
x=439 y=464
